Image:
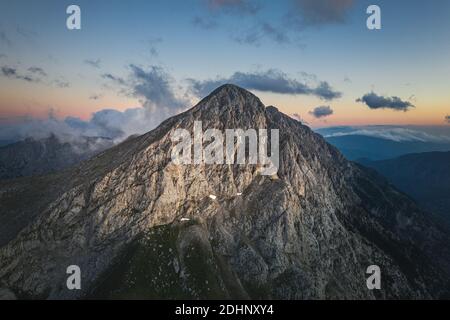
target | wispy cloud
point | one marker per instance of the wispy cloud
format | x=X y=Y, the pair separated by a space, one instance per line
x=38 y=71
x=321 y=112
x=267 y=81
x=107 y=123
x=118 y=80
x=33 y=75
x=61 y=83
x=93 y=63
x=12 y=73
x=374 y=101
x=154 y=85
x=155 y=89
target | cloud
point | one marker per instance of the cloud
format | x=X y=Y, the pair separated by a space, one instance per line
x=267 y=81
x=61 y=83
x=33 y=75
x=447 y=119
x=374 y=101
x=8 y=71
x=12 y=73
x=109 y=76
x=154 y=87
x=322 y=12
x=107 y=123
x=93 y=63
x=38 y=71
x=321 y=112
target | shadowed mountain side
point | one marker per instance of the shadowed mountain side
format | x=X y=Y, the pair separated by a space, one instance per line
x=423 y=176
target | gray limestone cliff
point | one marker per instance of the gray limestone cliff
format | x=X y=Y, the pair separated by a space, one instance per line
x=140 y=226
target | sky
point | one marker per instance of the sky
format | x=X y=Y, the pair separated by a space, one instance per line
x=134 y=63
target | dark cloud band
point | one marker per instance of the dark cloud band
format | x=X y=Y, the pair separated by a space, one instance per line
x=268 y=81
x=374 y=101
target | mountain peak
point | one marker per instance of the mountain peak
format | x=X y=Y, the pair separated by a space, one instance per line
x=229 y=88
x=233 y=98
x=231 y=92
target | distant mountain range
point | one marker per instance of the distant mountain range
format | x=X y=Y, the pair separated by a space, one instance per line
x=141 y=226
x=32 y=157
x=356 y=147
x=423 y=176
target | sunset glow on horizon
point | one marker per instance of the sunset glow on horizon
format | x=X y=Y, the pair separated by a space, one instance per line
x=108 y=64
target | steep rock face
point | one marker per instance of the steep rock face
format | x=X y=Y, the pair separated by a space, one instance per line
x=308 y=232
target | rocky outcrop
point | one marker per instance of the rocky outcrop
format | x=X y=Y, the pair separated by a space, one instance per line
x=140 y=226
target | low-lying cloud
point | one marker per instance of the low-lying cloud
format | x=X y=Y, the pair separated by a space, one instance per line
x=152 y=86
x=393 y=133
x=107 y=123
x=267 y=81
x=374 y=101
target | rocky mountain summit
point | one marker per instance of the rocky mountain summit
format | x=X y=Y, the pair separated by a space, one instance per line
x=140 y=226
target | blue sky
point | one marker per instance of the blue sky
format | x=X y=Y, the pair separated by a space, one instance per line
x=268 y=46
